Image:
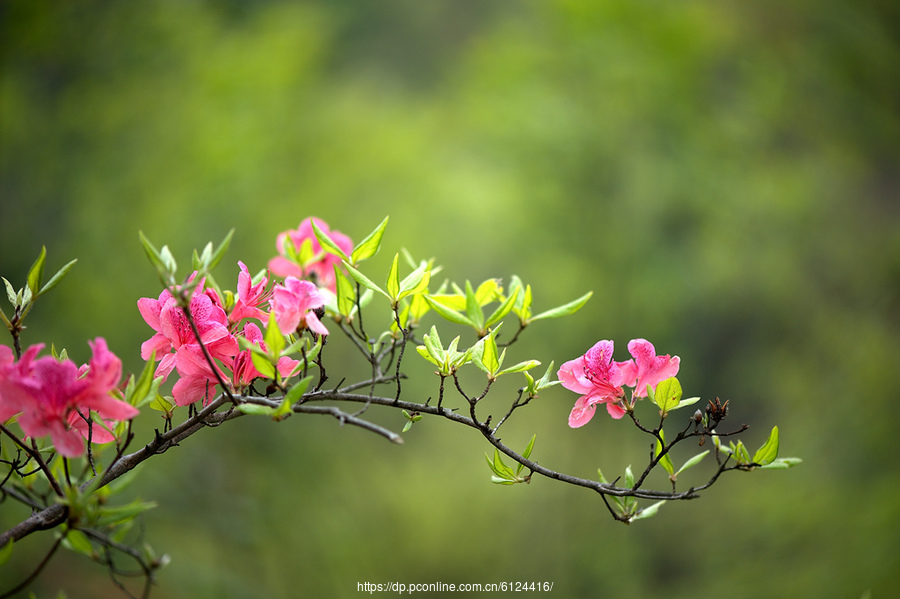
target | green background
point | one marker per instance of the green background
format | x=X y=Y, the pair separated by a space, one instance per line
x=723 y=176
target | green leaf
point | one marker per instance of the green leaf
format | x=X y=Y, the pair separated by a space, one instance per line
x=423 y=351
x=10 y=292
x=304 y=254
x=769 y=451
x=6 y=552
x=685 y=402
x=327 y=244
x=78 y=542
x=220 y=251
x=565 y=309
x=152 y=253
x=433 y=345
x=262 y=362
x=198 y=260
x=529 y=384
x=393 y=279
x=666 y=461
x=25 y=296
x=161 y=404
x=781 y=464
x=412 y=418
x=274 y=339
x=522 y=307
x=256 y=409
x=448 y=314
x=473 y=309
x=489 y=291
x=452 y=301
x=415 y=282
x=111 y=516
x=297 y=390
x=368 y=247
x=667 y=394
x=501 y=468
x=346 y=294
x=648 y=512
x=418 y=307
x=520 y=367
x=740 y=453
x=282 y=411
x=485 y=354
x=364 y=280
x=529 y=447
x=56 y=278
x=503 y=309
x=36 y=272
x=692 y=462
x=169 y=263
x=139 y=392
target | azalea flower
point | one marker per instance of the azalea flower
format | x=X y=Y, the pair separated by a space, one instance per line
x=647 y=368
x=293 y=304
x=249 y=297
x=197 y=381
x=174 y=339
x=599 y=380
x=8 y=404
x=55 y=397
x=242 y=369
x=314 y=263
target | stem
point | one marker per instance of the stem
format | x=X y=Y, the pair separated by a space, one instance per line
x=36 y=456
x=186 y=308
x=37 y=570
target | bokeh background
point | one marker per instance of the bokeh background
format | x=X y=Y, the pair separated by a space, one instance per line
x=723 y=175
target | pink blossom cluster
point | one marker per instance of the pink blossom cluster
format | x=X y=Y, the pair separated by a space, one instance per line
x=57 y=398
x=319 y=265
x=293 y=304
x=599 y=379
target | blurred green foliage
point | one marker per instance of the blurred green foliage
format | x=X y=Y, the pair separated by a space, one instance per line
x=723 y=176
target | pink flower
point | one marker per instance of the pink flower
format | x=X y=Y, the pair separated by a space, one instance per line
x=9 y=403
x=293 y=304
x=249 y=297
x=243 y=370
x=316 y=264
x=647 y=368
x=197 y=380
x=601 y=380
x=598 y=378
x=55 y=396
x=174 y=333
x=176 y=343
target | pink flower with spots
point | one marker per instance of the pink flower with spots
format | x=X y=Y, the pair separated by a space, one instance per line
x=294 y=303
x=309 y=260
x=55 y=397
x=197 y=380
x=249 y=297
x=174 y=339
x=647 y=368
x=243 y=370
x=9 y=403
x=599 y=379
